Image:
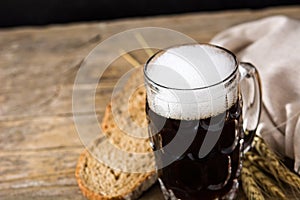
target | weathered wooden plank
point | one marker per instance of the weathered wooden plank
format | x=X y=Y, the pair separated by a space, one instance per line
x=53 y=101
x=47 y=172
x=43 y=133
x=39 y=164
x=44 y=193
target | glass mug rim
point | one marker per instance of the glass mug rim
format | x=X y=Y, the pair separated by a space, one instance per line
x=223 y=81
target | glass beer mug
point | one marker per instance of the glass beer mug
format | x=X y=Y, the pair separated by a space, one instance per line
x=203 y=109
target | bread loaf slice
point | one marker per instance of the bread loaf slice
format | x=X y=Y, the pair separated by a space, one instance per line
x=109 y=178
x=98 y=181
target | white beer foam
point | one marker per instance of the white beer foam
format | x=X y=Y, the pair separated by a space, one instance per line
x=184 y=69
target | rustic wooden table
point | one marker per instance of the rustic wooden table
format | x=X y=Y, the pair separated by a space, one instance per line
x=39 y=145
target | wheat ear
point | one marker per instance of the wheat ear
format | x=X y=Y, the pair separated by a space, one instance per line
x=276 y=169
x=265 y=182
x=144 y=44
x=250 y=187
x=271 y=162
x=129 y=58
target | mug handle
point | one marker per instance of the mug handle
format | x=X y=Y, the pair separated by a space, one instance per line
x=250 y=87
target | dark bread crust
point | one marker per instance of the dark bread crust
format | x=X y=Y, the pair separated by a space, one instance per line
x=142 y=185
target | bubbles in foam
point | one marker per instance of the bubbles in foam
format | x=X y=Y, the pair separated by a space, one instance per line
x=181 y=69
x=191 y=66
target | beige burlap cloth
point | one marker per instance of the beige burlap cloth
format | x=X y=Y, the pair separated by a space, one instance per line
x=273 y=45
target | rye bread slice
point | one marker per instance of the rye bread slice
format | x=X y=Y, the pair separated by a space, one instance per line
x=98 y=180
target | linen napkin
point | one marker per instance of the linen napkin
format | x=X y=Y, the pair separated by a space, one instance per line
x=273 y=45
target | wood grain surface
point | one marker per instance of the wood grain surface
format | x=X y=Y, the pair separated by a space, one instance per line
x=39 y=144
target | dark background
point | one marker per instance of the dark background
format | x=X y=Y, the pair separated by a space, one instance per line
x=41 y=12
